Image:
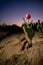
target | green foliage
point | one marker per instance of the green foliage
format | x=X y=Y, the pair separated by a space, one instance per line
x=29 y=29
x=40 y=27
x=30 y=25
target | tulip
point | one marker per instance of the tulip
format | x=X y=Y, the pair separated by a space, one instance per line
x=28 y=29
x=28 y=16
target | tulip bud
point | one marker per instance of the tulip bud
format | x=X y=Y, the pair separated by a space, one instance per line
x=28 y=16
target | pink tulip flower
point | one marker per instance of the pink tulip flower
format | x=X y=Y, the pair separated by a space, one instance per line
x=28 y=16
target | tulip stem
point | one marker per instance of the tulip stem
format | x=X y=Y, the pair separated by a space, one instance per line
x=28 y=20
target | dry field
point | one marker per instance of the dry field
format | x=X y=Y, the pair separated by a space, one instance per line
x=11 y=53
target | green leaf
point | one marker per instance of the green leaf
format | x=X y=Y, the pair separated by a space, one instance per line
x=40 y=27
x=30 y=32
x=25 y=21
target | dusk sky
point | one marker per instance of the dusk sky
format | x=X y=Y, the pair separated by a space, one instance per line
x=12 y=11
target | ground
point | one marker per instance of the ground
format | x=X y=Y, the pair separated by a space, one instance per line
x=11 y=52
